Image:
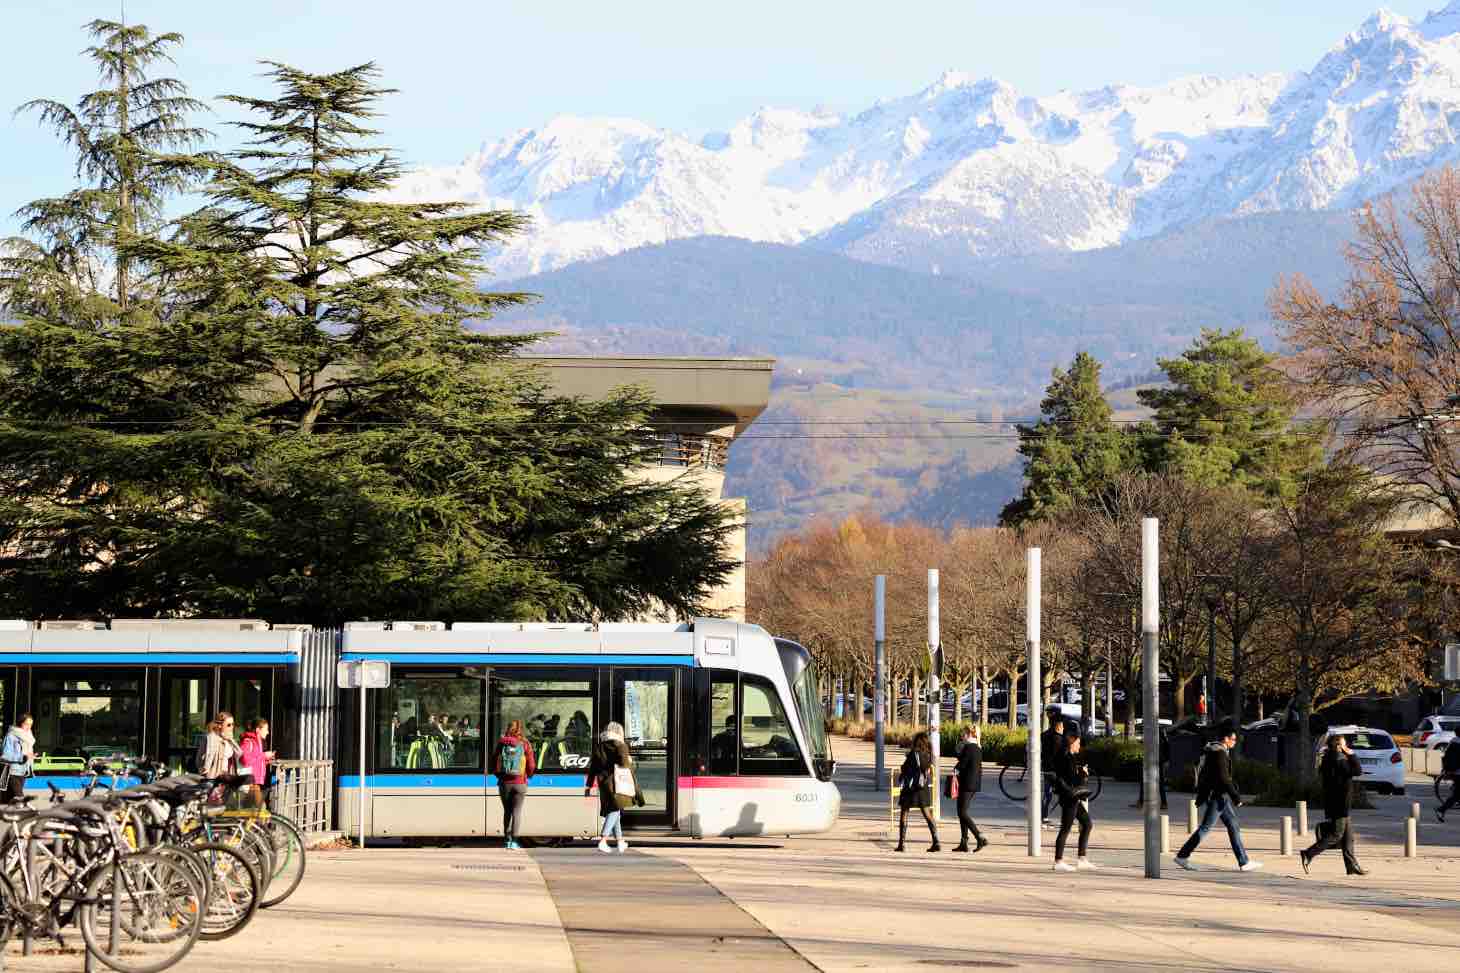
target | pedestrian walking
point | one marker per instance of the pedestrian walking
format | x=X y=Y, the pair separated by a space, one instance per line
x=916 y=780
x=514 y=763
x=217 y=756
x=1164 y=757
x=1450 y=768
x=1051 y=742
x=611 y=768
x=969 y=777
x=1337 y=771
x=17 y=758
x=258 y=760
x=1071 y=786
x=1218 y=795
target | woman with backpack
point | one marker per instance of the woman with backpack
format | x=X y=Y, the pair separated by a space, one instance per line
x=612 y=769
x=18 y=756
x=917 y=789
x=513 y=763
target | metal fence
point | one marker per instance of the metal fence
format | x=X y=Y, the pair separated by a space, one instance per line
x=305 y=793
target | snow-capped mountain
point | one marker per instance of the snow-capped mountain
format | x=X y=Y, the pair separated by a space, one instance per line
x=972 y=168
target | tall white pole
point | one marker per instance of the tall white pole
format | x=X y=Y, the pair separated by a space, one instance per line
x=1033 y=811
x=362 y=756
x=879 y=675
x=1151 y=686
x=935 y=686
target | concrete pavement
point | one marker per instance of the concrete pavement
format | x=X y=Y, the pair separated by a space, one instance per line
x=844 y=901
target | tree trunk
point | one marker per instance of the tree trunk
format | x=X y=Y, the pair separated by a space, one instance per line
x=1237 y=700
x=1013 y=718
x=1180 y=682
x=983 y=678
x=1304 y=701
x=857 y=713
x=1087 y=703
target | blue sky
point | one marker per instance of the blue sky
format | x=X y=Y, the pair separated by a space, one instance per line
x=472 y=70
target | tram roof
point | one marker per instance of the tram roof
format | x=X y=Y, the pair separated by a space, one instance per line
x=150 y=639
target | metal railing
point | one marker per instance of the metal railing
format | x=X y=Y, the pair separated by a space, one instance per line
x=693 y=451
x=304 y=793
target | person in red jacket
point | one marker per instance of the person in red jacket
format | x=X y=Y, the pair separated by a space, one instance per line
x=513 y=763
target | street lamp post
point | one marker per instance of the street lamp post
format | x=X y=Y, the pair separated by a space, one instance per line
x=1214 y=599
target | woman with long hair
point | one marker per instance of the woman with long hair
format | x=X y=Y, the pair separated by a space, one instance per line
x=218 y=754
x=610 y=752
x=917 y=777
x=514 y=763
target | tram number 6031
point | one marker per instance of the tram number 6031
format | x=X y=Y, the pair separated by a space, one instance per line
x=803 y=797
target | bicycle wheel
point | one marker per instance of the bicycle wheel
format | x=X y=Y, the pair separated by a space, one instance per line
x=288 y=848
x=142 y=913
x=233 y=890
x=1015 y=785
x=253 y=843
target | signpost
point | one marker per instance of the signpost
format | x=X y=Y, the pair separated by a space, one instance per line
x=1034 y=810
x=879 y=674
x=1151 y=683
x=364 y=675
x=935 y=683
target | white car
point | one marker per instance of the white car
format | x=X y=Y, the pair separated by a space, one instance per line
x=1381 y=760
x=1435 y=732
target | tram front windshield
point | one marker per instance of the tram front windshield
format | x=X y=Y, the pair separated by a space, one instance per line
x=808 y=702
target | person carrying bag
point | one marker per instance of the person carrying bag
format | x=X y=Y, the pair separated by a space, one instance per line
x=611 y=768
x=917 y=775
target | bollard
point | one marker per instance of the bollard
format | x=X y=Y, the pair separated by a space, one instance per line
x=1411 y=837
x=1165 y=834
x=1285 y=837
x=1414 y=810
x=1191 y=819
x=1302 y=818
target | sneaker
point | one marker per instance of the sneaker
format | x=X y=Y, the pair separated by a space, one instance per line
x=1304 y=859
x=1086 y=865
x=1063 y=867
x=1185 y=863
x=1249 y=867
x=511 y=845
x=603 y=846
x=623 y=846
x=981 y=845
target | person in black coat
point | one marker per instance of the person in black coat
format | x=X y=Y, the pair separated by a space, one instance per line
x=1450 y=770
x=1217 y=792
x=609 y=753
x=916 y=780
x=1051 y=742
x=1070 y=776
x=970 y=780
x=1337 y=771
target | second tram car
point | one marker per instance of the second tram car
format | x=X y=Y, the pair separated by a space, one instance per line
x=724 y=723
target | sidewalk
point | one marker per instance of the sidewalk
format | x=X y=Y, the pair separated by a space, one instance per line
x=844 y=901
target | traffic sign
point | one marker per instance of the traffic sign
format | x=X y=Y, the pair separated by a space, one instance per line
x=363 y=674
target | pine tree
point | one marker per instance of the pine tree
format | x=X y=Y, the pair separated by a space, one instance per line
x=306 y=429
x=1227 y=417
x=1072 y=451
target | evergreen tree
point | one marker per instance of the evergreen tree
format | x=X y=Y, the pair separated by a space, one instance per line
x=1073 y=451
x=306 y=429
x=1227 y=417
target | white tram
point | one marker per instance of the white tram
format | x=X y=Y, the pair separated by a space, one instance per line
x=723 y=721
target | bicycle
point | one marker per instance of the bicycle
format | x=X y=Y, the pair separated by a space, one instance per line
x=1016 y=785
x=1441 y=781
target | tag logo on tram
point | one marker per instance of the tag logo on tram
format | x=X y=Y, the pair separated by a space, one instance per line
x=574 y=760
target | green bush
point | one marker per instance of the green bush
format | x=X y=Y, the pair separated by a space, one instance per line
x=1114 y=757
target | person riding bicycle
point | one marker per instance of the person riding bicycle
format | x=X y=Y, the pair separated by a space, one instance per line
x=1450 y=769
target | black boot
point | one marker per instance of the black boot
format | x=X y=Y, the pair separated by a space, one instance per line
x=981 y=843
x=901 y=833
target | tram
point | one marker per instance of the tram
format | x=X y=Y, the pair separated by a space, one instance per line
x=723 y=722
x=138 y=687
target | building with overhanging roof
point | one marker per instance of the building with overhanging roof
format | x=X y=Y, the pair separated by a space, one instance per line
x=701 y=405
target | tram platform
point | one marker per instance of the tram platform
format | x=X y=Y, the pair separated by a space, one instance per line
x=843 y=901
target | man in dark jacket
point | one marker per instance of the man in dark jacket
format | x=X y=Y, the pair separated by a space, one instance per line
x=1338 y=770
x=970 y=781
x=1216 y=791
x=1051 y=743
x=1450 y=768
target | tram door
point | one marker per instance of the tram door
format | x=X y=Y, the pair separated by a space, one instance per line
x=187 y=705
x=643 y=701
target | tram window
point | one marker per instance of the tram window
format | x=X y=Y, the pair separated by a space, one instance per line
x=80 y=719
x=767 y=742
x=724 y=735
x=430 y=721
x=556 y=715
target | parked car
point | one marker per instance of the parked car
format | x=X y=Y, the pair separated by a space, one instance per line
x=1435 y=732
x=1380 y=758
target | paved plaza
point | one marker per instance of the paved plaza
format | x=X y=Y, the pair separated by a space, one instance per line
x=845 y=901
